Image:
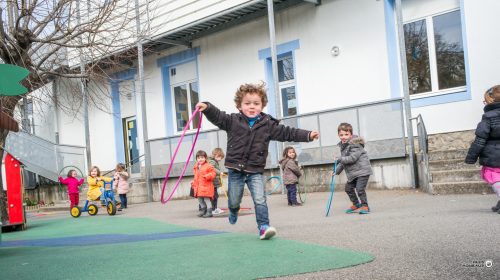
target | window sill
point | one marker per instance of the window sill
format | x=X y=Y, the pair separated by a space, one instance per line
x=435 y=98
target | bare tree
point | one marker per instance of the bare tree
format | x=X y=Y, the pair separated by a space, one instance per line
x=50 y=38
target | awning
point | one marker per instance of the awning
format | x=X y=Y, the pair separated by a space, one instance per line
x=184 y=35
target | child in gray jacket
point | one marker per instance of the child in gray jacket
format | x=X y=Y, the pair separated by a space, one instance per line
x=354 y=160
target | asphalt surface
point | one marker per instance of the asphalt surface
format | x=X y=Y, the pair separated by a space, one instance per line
x=411 y=234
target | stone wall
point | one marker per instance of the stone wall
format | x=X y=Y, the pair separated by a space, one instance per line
x=451 y=141
x=387 y=174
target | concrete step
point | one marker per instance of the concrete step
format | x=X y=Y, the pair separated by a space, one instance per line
x=466 y=187
x=445 y=176
x=451 y=164
x=447 y=154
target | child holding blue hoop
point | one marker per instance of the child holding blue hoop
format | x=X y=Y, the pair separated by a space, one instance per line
x=291 y=174
x=356 y=163
x=248 y=136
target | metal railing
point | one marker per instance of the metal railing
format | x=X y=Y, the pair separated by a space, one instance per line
x=380 y=123
x=44 y=157
x=424 y=177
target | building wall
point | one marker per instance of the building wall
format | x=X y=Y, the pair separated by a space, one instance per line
x=361 y=73
x=480 y=39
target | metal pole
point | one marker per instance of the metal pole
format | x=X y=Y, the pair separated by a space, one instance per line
x=83 y=89
x=274 y=58
x=55 y=93
x=274 y=62
x=140 y=57
x=406 y=91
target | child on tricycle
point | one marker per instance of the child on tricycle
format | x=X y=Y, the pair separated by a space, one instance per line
x=100 y=188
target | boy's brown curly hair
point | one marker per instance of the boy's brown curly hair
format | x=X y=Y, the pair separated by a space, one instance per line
x=244 y=89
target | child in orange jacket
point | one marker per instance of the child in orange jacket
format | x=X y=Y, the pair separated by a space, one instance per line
x=202 y=184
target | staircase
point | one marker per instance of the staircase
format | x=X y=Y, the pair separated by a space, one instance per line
x=450 y=175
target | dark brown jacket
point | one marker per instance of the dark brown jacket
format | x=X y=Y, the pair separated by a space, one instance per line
x=247 y=148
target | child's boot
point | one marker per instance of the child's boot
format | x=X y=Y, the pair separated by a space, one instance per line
x=203 y=211
x=364 y=210
x=208 y=214
x=353 y=208
x=496 y=208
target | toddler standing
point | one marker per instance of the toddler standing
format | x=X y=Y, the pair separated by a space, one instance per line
x=73 y=183
x=291 y=174
x=217 y=155
x=120 y=183
x=203 y=186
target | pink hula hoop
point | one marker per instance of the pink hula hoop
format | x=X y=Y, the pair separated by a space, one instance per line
x=175 y=154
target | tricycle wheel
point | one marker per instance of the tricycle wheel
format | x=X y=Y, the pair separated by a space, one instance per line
x=75 y=211
x=111 y=208
x=92 y=210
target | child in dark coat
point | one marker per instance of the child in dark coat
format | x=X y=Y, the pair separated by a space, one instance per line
x=486 y=145
x=248 y=136
x=354 y=160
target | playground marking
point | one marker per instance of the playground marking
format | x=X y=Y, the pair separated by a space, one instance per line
x=100 y=239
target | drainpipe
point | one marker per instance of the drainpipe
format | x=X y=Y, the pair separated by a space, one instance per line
x=274 y=61
x=406 y=91
x=140 y=57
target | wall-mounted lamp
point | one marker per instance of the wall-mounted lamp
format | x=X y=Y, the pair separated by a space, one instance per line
x=335 y=51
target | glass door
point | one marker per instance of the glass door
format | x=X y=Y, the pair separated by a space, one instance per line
x=131 y=144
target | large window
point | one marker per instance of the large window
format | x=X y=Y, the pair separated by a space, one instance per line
x=435 y=54
x=185 y=99
x=287 y=85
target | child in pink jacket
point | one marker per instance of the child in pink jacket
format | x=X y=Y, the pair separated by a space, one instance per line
x=73 y=183
x=120 y=184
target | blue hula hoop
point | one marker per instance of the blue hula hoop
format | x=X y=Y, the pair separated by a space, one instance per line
x=332 y=189
x=280 y=183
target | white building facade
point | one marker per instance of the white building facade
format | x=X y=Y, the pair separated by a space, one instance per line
x=332 y=54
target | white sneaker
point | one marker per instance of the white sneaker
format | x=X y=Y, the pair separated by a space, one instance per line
x=217 y=211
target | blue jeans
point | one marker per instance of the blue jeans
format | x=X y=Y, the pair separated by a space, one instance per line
x=123 y=200
x=291 y=193
x=255 y=184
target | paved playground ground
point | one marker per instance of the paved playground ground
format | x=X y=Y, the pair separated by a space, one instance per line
x=409 y=235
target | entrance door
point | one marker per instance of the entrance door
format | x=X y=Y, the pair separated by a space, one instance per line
x=131 y=144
